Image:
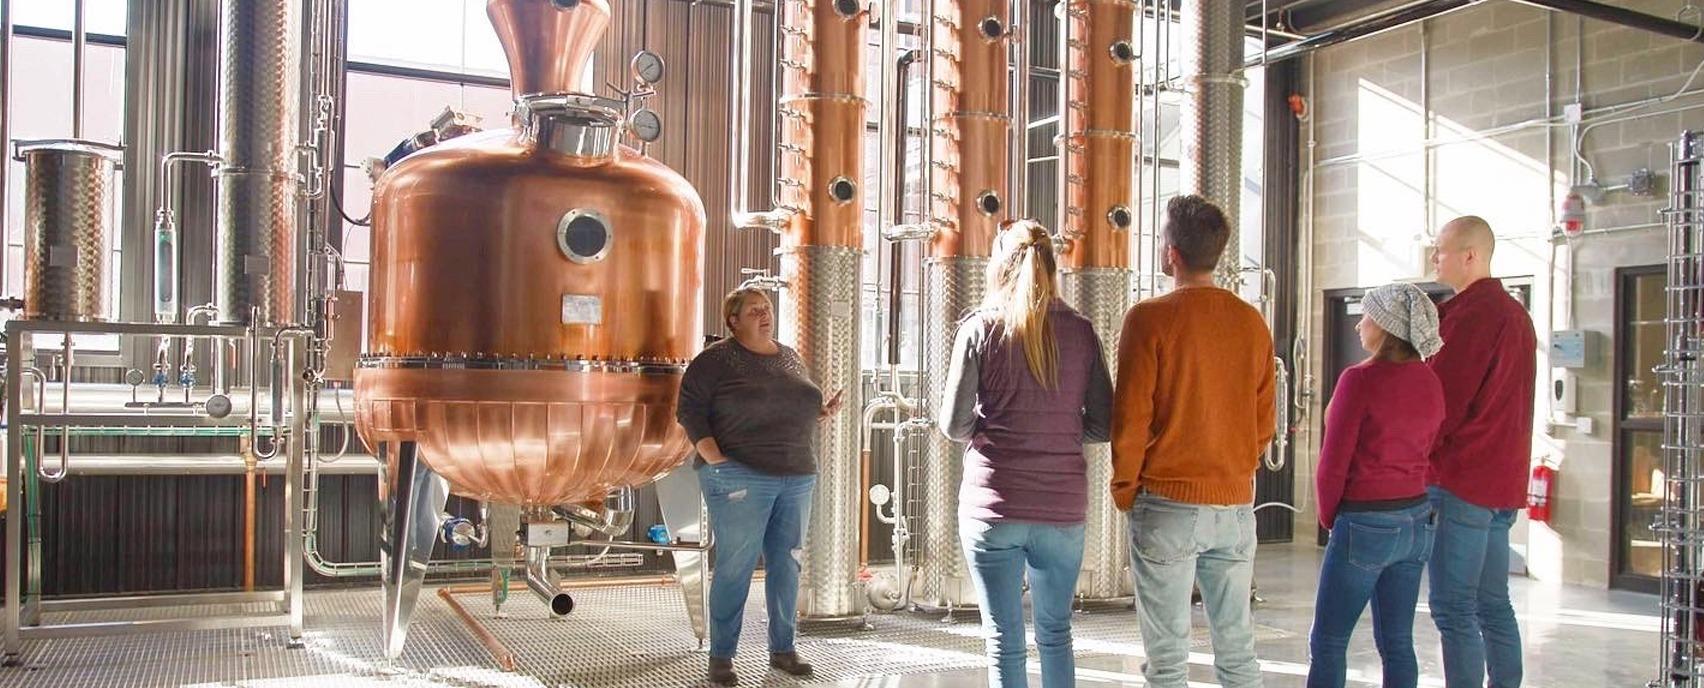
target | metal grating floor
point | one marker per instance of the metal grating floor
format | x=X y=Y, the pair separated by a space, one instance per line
x=632 y=637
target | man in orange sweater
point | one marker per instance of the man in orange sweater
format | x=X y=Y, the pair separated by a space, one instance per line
x=1192 y=412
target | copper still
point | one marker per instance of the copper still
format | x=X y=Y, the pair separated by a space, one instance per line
x=967 y=191
x=535 y=290
x=1098 y=178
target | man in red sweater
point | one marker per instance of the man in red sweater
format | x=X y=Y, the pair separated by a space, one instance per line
x=1479 y=465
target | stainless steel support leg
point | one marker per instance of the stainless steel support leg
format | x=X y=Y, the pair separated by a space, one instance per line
x=14 y=499
x=294 y=491
x=414 y=498
x=683 y=514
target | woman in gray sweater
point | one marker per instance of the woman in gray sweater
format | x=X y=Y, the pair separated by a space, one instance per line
x=751 y=411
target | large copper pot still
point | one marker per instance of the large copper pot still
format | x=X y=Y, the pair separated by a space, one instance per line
x=535 y=290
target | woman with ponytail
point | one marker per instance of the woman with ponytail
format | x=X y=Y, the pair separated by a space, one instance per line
x=1028 y=386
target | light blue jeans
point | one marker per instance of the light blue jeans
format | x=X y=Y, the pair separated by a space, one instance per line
x=753 y=513
x=1174 y=546
x=1469 y=577
x=1000 y=553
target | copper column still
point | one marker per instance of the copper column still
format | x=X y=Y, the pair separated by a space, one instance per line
x=535 y=292
x=1098 y=172
x=822 y=119
x=966 y=195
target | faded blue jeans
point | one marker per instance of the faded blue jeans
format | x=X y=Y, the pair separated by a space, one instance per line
x=1375 y=556
x=1174 y=546
x=1000 y=553
x=753 y=513
x=1469 y=595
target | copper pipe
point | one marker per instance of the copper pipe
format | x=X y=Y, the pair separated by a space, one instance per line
x=970 y=132
x=1100 y=130
x=248 y=513
x=498 y=650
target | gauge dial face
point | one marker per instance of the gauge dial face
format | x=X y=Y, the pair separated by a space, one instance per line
x=648 y=67
x=646 y=125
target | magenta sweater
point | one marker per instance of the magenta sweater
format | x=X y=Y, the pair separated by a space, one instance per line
x=1379 y=431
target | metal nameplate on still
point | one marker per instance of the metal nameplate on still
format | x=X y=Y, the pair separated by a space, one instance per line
x=62 y=256
x=578 y=309
x=547 y=534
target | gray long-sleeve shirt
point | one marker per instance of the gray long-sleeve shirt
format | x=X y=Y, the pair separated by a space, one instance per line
x=1025 y=459
x=761 y=408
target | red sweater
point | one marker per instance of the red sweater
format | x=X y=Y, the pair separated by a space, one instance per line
x=1379 y=430
x=1488 y=366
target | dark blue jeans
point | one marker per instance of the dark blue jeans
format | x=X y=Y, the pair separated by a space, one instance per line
x=1374 y=556
x=753 y=513
x=1470 y=594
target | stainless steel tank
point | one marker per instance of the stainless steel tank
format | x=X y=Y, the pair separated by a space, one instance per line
x=68 y=191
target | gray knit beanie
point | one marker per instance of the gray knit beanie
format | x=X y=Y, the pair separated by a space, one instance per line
x=1405 y=311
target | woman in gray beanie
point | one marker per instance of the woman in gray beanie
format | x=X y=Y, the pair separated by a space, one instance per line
x=1371 y=483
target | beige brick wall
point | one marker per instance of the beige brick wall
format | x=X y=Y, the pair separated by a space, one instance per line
x=1481 y=81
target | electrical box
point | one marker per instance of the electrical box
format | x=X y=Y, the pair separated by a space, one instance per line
x=1569 y=348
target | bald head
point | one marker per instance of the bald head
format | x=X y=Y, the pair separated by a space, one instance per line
x=1464 y=250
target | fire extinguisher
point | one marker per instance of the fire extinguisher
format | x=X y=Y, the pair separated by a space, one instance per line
x=1541 y=492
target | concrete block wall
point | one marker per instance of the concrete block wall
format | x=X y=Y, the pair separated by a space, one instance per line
x=1464 y=116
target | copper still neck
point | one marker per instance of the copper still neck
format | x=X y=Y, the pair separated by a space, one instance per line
x=548 y=42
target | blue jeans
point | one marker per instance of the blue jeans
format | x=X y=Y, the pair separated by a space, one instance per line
x=754 y=513
x=1377 y=556
x=999 y=554
x=1173 y=546
x=1470 y=594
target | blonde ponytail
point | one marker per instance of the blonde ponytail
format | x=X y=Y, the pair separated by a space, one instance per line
x=1021 y=289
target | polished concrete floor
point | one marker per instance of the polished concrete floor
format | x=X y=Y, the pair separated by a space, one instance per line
x=637 y=637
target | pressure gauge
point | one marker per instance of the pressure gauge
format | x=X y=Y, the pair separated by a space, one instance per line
x=645 y=125
x=218 y=406
x=133 y=377
x=647 y=67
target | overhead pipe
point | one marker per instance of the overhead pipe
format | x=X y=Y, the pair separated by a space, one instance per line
x=1624 y=17
x=1378 y=23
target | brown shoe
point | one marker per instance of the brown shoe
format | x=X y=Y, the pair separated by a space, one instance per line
x=789 y=662
x=722 y=672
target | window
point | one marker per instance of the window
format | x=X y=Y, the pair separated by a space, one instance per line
x=1639 y=486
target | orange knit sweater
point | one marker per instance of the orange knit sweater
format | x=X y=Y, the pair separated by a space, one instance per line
x=1193 y=408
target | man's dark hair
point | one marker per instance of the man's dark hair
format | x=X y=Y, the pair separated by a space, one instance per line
x=1197 y=229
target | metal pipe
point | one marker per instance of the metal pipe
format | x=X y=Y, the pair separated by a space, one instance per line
x=64 y=430
x=1018 y=178
x=1623 y=17
x=5 y=117
x=1378 y=23
x=1062 y=141
x=739 y=148
x=896 y=251
x=79 y=45
x=542 y=581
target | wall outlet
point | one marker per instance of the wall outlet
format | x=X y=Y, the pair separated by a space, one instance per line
x=1583 y=425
